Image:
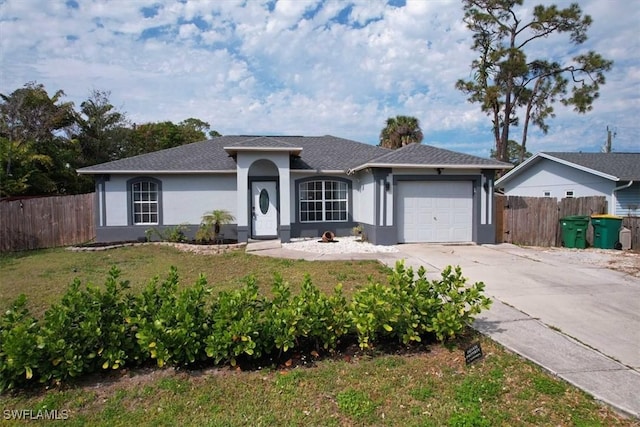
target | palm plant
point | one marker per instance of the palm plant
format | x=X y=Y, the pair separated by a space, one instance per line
x=211 y=223
x=400 y=131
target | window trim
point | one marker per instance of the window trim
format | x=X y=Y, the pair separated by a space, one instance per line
x=130 y=201
x=324 y=179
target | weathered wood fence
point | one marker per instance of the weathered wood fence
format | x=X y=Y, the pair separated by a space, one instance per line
x=633 y=224
x=46 y=222
x=535 y=221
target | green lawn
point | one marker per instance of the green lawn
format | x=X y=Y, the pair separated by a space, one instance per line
x=427 y=386
x=44 y=275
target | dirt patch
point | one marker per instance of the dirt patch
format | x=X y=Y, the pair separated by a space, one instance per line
x=625 y=261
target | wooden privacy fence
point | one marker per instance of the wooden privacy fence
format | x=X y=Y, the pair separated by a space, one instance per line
x=535 y=221
x=633 y=224
x=46 y=222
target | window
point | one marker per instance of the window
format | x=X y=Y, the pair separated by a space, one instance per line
x=144 y=207
x=547 y=194
x=568 y=194
x=323 y=201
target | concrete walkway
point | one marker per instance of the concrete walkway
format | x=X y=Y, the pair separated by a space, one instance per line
x=579 y=322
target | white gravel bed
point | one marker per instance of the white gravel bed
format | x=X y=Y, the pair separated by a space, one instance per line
x=341 y=245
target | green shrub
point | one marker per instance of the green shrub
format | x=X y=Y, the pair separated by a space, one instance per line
x=411 y=306
x=87 y=331
x=171 y=324
x=236 y=324
x=307 y=318
x=174 y=234
x=456 y=303
x=20 y=355
x=95 y=328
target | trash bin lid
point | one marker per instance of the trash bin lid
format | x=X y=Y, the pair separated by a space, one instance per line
x=575 y=218
x=607 y=216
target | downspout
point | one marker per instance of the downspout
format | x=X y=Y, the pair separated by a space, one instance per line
x=622 y=187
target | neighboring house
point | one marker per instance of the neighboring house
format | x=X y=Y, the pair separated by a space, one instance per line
x=613 y=175
x=291 y=186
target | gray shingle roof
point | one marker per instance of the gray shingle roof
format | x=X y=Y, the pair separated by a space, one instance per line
x=624 y=166
x=198 y=156
x=429 y=155
x=327 y=153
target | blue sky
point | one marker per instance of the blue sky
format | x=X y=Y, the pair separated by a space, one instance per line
x=303 y=67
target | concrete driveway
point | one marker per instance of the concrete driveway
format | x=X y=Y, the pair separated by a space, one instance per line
x=561 y=309
x=596 y=306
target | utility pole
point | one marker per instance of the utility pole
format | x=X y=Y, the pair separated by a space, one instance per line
x=610 y=136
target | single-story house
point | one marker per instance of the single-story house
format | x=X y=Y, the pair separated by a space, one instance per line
x=294 y=186
x=613 y=175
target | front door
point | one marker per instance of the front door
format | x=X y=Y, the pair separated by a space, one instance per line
x=264 y=210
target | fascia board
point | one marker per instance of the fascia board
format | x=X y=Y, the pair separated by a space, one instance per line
x=152 y=172
x=427 y=166
x=326 y=171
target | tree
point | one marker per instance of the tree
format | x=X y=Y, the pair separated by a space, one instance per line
x=400 y=131
x=150 y=137
x=511 y=87
x=35 y=154
x=514 y=153
x=196 y=129
x=101 y=129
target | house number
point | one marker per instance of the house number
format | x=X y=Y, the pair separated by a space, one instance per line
x=264 y=201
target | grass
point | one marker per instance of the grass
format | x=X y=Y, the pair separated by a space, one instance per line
x=430 y=386
x=44 y=275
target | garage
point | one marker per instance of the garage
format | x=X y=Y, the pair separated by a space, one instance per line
x=435 y=211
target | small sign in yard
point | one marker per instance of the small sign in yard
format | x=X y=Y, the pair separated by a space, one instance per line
x=473 y=353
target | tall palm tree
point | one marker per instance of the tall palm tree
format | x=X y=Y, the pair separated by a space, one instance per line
x=400 y=131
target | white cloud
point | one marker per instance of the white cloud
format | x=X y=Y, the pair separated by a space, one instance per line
x=303 y=67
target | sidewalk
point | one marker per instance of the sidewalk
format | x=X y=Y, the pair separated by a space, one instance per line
x=602 y=377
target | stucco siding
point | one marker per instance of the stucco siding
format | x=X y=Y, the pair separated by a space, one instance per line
x=364 y=211
x=389 y=205
x=116 y=200
x=184 y=198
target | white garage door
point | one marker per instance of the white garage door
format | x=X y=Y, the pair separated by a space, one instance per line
x=438 y=211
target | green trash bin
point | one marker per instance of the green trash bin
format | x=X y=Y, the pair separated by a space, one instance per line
x=606 y=231
x=574 y=231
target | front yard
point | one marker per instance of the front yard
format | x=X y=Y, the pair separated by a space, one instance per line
x=427 y=384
